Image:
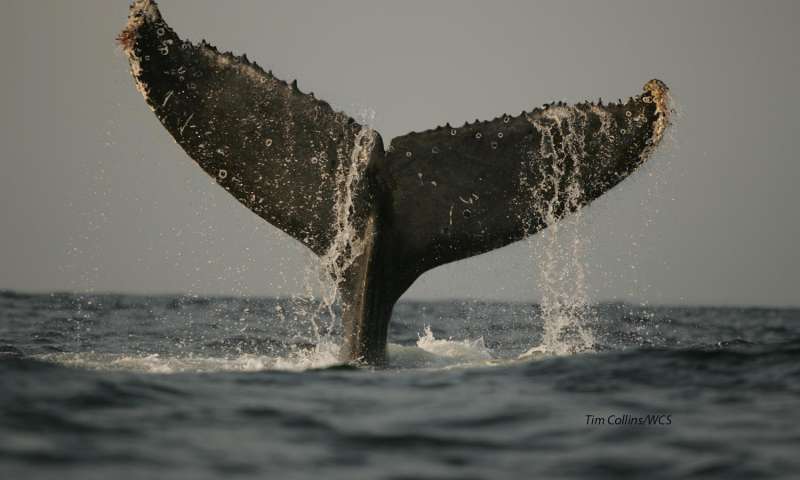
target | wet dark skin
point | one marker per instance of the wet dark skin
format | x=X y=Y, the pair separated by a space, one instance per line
x=428 y=199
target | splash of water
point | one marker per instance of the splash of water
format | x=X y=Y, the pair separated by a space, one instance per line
x=561 y=258
x=467 y=350
x=432 y=352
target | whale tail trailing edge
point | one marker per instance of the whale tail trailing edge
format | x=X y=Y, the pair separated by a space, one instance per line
x=434 y=197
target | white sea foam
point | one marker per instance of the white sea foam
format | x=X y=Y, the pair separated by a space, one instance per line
x=429 y=352
x=323 y=355
x=159 y=364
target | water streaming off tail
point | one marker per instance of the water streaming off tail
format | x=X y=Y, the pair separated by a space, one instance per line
x=346 y=246
x=562 y=250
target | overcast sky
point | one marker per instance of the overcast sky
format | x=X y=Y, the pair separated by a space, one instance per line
x=96 y=196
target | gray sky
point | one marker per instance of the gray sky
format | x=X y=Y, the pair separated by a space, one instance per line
x=96 y=195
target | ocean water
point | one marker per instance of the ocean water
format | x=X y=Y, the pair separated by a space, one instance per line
x=126 y=387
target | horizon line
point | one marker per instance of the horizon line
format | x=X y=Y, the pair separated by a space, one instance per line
x=635 y=303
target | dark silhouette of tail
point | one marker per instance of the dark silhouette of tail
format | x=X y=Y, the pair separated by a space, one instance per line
x=433 y=197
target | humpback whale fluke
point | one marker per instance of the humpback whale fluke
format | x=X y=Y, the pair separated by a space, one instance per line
x=431 y=198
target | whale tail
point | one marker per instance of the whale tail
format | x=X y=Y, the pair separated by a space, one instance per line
x=431 y=198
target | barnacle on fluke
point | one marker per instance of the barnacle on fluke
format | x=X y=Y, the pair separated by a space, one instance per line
x=326 y=180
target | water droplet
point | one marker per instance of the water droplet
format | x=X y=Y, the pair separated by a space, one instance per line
x=467 y=213
x=453 y=132
x=408 y=154
x=268 y=142
x=223 y=174
x=499 y=134
x=506 y=119
x=147 y=58
x=192 y=86
x=435 y=150
x=646 y=99
x=478 y=136
x=623 y=131
x=160 y=32
x=494 y=145
x=314 y=160
x=628 y=113
x=163 y=49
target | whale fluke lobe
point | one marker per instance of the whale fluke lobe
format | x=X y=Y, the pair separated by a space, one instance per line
x=459 y=193
x=431 y=198
x=272 y=147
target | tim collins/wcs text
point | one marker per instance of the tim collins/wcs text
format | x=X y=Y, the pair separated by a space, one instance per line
x=628 y=419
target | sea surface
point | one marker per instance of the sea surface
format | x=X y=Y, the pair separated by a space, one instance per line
x=181 y=387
